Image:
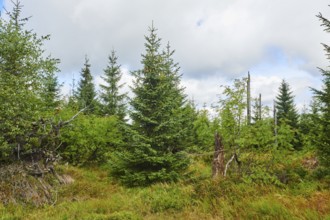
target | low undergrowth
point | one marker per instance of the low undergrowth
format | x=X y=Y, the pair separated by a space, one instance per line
x=93 y=195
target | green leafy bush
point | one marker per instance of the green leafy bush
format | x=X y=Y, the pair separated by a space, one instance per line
x=91 y=139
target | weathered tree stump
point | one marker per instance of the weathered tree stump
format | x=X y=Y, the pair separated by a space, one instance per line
x=218 y=163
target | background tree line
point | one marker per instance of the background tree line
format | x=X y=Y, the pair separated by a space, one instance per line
x=154 y=135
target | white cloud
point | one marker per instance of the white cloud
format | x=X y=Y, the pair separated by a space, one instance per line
x=215 y=41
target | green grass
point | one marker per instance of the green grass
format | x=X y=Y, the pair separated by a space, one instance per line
x=93 y=195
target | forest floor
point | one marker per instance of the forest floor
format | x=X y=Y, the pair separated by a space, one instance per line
x=93 y=195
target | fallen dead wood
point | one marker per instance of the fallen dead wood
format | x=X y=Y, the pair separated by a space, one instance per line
x=31 y=178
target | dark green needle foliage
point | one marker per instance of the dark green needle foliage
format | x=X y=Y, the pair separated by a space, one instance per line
x=86 y=90
x=51 y=93
x=286 y=109
x=113 y=103
x=287 y=113
x=204 y=131
x=23 y=65
x=158 y=130
x=323 y=97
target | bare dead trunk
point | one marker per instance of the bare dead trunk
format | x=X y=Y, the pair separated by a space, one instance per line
x=260 y=107
x=248 y=99
x=218 y=164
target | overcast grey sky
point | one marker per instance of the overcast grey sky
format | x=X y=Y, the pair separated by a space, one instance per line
x=215 y=40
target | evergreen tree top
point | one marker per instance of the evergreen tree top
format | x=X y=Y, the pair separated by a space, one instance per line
x=153 y=42
x=86 y=75
x=113 y=101
x=323 y=98
x=159 y=118
x=285 y=95
x=86 y=90
x=286 y=109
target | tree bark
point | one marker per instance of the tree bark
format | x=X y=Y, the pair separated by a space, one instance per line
x=248 y=99
x=275 y=123
x=259 y=107
x=218 y=164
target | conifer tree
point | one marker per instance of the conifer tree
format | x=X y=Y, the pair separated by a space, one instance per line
x=156 y=150
x=173 y=94
x=203 y=130
x=286 y=109
x=72 y=99
x=287 y=116
x=50 y=92
x=86 y=90
x=113 y=101
x=23 y=65
x=189 y=116
x=323 y=96
x=159 y=99
x=309 y=124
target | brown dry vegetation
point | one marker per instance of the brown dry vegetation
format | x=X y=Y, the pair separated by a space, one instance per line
x=91 y=194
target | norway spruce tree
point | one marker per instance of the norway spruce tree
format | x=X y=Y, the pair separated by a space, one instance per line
x=156 y=151
x=113 y=103
x=50 y=92
x=86 y=90
x=286 y=109
x=204 y=131
x=309 y=124
x=23 y=65
x=287 y=115
x=323 y=97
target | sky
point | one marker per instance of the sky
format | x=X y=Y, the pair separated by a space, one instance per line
x=215 y=41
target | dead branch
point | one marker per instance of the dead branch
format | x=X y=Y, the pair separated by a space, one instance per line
x=228 y=163
x=72 y=118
